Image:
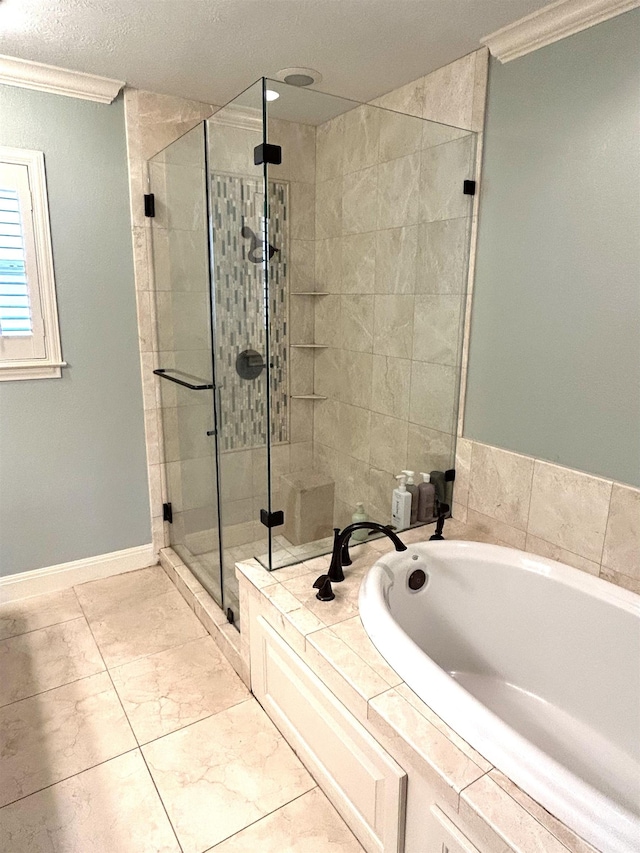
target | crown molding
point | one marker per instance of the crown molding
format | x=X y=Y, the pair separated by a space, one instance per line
x=552 y=23
x=57 y=81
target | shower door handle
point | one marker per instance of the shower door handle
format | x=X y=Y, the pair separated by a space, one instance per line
x=162 y=373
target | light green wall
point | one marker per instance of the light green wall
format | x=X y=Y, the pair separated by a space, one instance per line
x=72 y=457
x=554 y=367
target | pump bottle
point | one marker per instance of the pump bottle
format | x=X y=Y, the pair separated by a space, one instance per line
x=401 y=505
x=413 y=490
x=426 y=498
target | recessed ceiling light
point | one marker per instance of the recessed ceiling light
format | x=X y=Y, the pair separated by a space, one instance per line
x=299 y=76
x=271 y=95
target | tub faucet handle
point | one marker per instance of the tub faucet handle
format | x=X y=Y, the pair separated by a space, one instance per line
x=323 y=585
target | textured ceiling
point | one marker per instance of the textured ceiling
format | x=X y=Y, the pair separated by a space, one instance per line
x=210 y=50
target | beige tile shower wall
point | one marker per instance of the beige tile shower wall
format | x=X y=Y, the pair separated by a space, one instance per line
x=587 y=522
x=392 y=258
x=152 y=122
x=298 y=168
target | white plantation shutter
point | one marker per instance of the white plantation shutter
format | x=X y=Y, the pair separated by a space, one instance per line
x=29 y=336
x=21 y=332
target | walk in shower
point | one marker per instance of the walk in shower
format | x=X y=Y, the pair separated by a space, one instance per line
x=310 y=260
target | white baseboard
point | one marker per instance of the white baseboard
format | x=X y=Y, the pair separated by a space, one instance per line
x=66 y=575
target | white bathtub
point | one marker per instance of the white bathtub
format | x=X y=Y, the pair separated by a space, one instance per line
x=535 y=664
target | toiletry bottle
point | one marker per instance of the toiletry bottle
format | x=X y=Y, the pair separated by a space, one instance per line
x=401 y=505
x=426 y=498
x=413 y=490
x=359 y=515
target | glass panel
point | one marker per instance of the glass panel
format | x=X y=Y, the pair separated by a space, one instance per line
x=181 y=269
x=368 y=290
x=237 y=212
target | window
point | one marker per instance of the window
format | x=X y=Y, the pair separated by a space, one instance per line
x=29 y=332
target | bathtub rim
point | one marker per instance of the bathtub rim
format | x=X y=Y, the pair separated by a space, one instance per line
x=606 y=824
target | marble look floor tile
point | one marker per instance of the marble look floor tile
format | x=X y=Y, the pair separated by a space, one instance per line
x=143 y=628
x=50 y=657
x=18 y=617
x=100 y=597
x=177 y=687
x=223 y=773
x=49 y=737
x=112 y=808
x=309 y=824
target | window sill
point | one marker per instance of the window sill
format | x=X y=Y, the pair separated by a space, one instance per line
x=31 y=370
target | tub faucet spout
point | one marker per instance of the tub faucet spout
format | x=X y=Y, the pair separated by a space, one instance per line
x=340 y=555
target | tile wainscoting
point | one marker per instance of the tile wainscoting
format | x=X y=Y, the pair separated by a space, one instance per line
x=588 y=522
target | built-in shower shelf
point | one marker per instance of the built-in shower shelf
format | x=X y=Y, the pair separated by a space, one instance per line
x=309 y=346
x=310 y=293
x=307 y=397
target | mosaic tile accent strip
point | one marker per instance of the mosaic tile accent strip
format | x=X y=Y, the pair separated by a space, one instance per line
x=238 y=209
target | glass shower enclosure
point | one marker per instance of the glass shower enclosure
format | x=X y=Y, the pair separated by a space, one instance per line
x=310 y=258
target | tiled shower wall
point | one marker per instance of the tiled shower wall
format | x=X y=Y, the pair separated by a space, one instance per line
x=455 y=95
x=392 y=230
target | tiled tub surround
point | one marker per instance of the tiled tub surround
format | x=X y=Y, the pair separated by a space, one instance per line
x=512 y=627
x=124 y=730
x=585 y=521
x=491 y=811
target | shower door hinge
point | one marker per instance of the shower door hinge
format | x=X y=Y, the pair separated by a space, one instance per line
x=272 y=519
x=267 y=153
x=450 y=475
x=149 y=205
x=469 y=187
x=230 y=616
x=167 y=513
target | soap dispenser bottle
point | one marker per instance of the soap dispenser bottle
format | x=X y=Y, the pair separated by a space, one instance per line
x=426 y=498
x=413 y=491
x=359 y=515
x=401 y=505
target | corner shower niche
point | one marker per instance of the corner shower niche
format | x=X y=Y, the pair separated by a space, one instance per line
x=310 y=319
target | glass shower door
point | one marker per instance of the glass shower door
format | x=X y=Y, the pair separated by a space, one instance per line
x=239 y=296
x=180 y=236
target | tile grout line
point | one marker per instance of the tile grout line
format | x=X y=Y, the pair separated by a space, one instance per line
x=41 y=628
x=70 y=776
x=316 y=787
x=126 y=716
x=164 y=808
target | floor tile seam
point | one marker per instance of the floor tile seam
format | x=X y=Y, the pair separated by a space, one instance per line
x=50 y=689
x=193 y=722
x=70 y=776
x=162 y=803
x=108 y=667
x=257 y=820
x=250 y=697
x=42 y=627
x=207 y=636
x=113 y=686
x=132 y=604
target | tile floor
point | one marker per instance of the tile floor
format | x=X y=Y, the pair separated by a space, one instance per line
x=124 y=730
